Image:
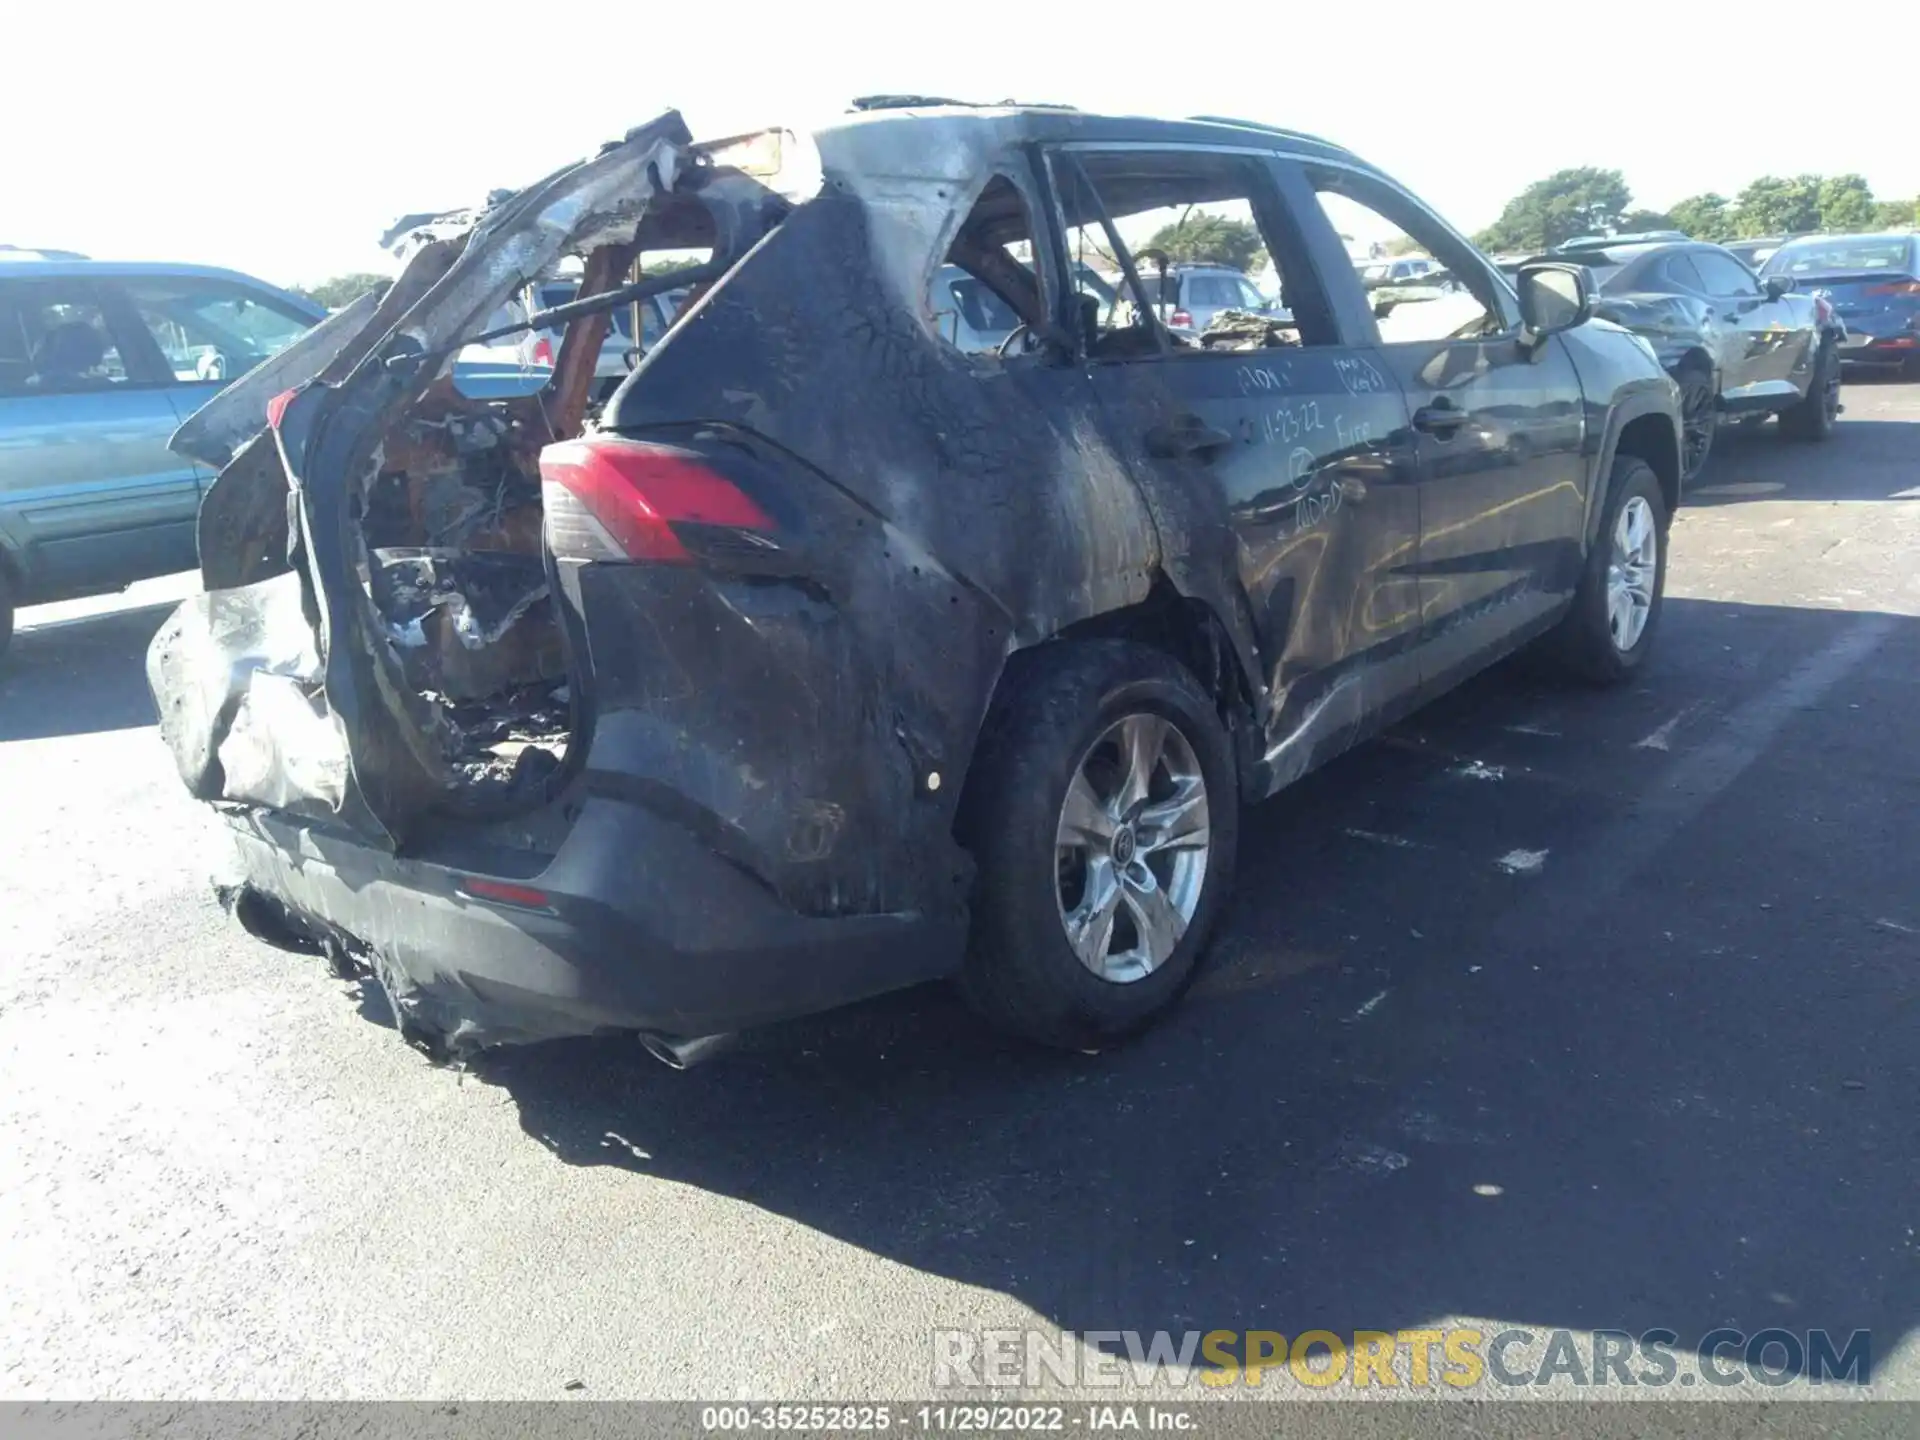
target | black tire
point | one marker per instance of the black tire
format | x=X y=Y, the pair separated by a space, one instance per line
x=6 y=610
x=1585 y=644
x=1022 y=974
x=1700 y=420
x=1813 y=417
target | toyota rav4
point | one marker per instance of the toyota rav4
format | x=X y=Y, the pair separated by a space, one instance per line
x=829 y=658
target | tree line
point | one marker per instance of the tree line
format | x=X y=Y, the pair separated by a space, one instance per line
x=1568 y=203
x=1589 y=201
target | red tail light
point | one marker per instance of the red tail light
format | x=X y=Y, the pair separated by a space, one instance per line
x=523 y=897
x=1181 y=318
x=543 y=351
x=609 y=499
x=1897 y=287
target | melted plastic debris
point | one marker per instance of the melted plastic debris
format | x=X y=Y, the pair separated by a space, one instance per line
x=508 y=744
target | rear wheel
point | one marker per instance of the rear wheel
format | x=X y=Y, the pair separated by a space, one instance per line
x=1607 y=635
x=1813 y=417
x=1103 y=814
x=1699 y=420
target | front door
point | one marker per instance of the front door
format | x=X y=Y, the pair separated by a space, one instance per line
x=1761 y=329
x=1275 y=456
x=89 y=492
x=1498 y=428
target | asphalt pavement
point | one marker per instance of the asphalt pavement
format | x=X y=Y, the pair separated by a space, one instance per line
x=1550 y=1009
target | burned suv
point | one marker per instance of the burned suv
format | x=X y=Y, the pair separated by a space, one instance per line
x=828 y=658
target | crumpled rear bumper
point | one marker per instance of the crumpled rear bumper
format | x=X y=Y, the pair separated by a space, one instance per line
x=632 y=925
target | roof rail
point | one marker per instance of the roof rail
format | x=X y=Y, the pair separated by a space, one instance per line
x=1264 y=129
x=36 y=252
x=929 y=102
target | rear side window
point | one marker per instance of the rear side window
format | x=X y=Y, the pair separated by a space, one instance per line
x=56 y=340
x=1724 y=275
x=212 y=331
x=1212 y=291
x=980 y=307
x=990 y=286
x=1677 y=273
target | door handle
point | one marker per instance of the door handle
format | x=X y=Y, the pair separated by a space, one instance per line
x=1187 y=435
x=1442 y=417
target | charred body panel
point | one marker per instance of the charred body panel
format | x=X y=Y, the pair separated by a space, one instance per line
x=958 y=510
x=376 y=409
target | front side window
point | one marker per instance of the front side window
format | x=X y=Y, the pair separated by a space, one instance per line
x=1368 y=213
x=56 y=340
x=1158 y=211
x=211 y=331
x=1724 y=275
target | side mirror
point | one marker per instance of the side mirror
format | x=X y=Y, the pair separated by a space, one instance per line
x=1778 y=285
x=1553 y=298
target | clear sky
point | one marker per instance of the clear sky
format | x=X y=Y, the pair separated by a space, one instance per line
x=282 y=139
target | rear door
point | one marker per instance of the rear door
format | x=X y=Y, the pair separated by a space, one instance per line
x=1280 y=474
x=90 y=497
x=1498 y=427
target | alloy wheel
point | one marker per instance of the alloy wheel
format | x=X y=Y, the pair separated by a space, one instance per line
x=1131 y=848
x=1632 y=570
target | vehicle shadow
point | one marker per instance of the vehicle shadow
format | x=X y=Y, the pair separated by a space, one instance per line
x=1882 y=460
x=76 y=677
x=1403 y=1090
x=1876 y=375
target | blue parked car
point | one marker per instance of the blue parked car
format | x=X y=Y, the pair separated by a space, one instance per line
x=99 y=364
x=1873 y=284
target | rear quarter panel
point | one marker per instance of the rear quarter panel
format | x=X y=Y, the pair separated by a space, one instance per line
x=969 y=508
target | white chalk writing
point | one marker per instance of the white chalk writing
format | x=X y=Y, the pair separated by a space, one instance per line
x=1264 y=379
x=1291 y=422
x=1359 y=375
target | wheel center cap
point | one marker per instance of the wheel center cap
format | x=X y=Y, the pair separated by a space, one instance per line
x=1124 y=845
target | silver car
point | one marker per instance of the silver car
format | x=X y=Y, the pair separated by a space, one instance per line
x=1188 y=297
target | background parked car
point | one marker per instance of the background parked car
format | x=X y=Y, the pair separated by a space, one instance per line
x=99 y=363
x=979 y=322
x=1400 y=270
x=1755 y=252
x=1189 y=296
x=1736 y=346
x=1873 y=284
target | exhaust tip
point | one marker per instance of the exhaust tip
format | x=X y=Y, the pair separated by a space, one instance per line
x=683 y=1052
